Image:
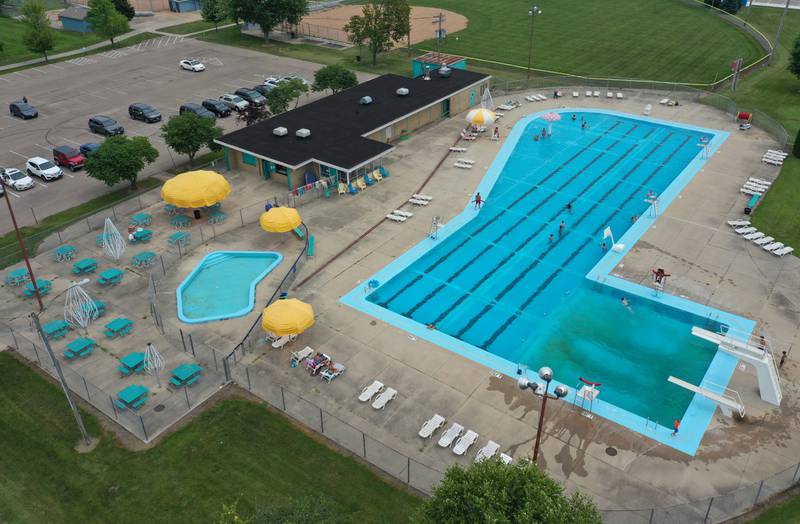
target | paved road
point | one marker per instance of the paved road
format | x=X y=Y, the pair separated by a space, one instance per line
x=68 y=93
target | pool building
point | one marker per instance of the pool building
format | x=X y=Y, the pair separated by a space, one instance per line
x=346 y=135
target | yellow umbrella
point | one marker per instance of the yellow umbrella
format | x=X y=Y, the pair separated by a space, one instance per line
x=195 y=189
x=280 y=220
x=481 y=117
x=287 y=317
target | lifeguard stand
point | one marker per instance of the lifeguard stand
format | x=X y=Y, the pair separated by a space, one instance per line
x=587 y=392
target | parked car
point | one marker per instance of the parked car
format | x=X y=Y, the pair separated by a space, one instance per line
x=217 y=107
x=190 y=64
x=68 y=156
x=88 y=148
x=263 y=89
x=197 y=109
x=105 y=125
x=235 y=102
x=22 y=110
x=295 y=77
x=254 y=97
x=272 y=81
x=43 y=168
x=145 y=113
x=16 y=179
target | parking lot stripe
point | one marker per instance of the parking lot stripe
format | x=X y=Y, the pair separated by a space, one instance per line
x=20 y=74
x=44 y=147
x=71 y=176
x=43 y=185
x=14 y=194
x=98 y=96
x=5 y=80
x=57 y=66
x=38 y=70
x=15 y=153
x=68 y=140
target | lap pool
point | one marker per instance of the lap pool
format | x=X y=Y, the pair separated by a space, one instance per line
x=501 y=290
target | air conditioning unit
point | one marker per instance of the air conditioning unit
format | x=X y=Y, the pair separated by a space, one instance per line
x=403 y=91
x=280 y=131
x=365 y=100
x=303 y=133
x=445 y=71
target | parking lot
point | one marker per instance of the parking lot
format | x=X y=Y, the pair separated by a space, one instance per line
x=68 y=93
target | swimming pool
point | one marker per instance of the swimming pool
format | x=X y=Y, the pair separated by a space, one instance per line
x=499 y=289
x=223 y=285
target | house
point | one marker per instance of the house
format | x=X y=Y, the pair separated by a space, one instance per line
x=346 y=135
x=73 y=18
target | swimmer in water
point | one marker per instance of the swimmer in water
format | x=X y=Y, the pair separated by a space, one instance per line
x=626 y=304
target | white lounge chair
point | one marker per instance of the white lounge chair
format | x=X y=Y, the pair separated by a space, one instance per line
x=431 y=425
x=648 y=109
x=284 y=340
x=467 y=137
x=609 y=94
x=462 y=166
x=756 y=188
x=783 y=251
x=619 y=95
x=396 y=218
x=763 y=241
x=664 y=101
x=369 y=391
x=384 y=398
x=269 y=336
x=334 y=371
x=575 y=94
x=738 y=223
x=750 y=192
x=746 y=230
x=488 y=451
x=402 y=213
x=760 y=181
x=450 y=434
x=458 y=149
x=778 y=152
x=772 y=161
x=466 y=161
x=588 y=94
x=596 y=94
x=464 y=443
x=506 y=459
x=418 y=202
x=532 y=98
x=421 y=196
x=754 y=235
x=298 y=356
x=773 y=246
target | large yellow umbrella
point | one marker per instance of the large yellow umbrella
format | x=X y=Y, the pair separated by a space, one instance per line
x=195 y=189
x=287 y=317
x=481 y=117
x=280 y=220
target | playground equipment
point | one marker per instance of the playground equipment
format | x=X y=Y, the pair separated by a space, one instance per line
x=587 y=391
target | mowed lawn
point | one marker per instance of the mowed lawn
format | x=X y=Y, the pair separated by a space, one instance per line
x=14 y=50
x=778 y=214
x=657 y=40
x=236 y=451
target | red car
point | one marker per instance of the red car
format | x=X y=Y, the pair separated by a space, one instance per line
x=68 y=156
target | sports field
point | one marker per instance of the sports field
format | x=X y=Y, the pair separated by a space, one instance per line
x=668 y=40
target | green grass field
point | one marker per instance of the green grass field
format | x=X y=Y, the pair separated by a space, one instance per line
x=14 y=50
x=777 y=215
x=237 y=450
x=786 y=513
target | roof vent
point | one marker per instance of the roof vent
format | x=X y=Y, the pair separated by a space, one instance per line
x=365 y=100
x=445 y=71
x=280 y=131
x=403 y=91
x=303 y=133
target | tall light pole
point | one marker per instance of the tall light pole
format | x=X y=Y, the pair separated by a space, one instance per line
x=561 y=391
x=532 y=14
x=6 y=189
x=778 y=34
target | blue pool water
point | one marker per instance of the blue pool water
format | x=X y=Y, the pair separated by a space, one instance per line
x=223 y=285
x=499 y=290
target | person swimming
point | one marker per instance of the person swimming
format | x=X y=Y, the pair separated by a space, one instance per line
x=626 y=304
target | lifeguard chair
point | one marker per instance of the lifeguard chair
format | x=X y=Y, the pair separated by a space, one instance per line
x=587 y=391
x=743 y=117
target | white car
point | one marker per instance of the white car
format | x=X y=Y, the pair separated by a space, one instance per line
x=272 y=81
x=43 y=168
x=295 y=77
x=190 y=64
x=234 y=102
x=16 y=179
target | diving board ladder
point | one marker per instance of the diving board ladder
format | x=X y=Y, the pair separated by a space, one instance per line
x=728 y=403
x=769 y=381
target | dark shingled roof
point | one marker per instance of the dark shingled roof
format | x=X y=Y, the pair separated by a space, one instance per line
x=338 y=122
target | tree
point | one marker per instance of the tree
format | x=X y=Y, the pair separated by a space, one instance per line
x=796 y=147
x=490 y=491
x=121 y=158
x=794 y=58
x=125 y=8
x=39 y=37
x=253 y=114
x=269 y=13
x=281 y=97
x=335 y=77
x=187 y=133
x=105 y=20
x=214 y=12
x=380 y=24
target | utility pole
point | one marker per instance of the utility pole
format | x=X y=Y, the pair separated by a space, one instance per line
x=778 y=34
x=21 y=242
x=438 y=20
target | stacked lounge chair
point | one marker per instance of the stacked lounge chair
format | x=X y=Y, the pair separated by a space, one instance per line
x=420 y=199
x=535 y=98
x=755 y=186
x=767 y=243
x=774 y=157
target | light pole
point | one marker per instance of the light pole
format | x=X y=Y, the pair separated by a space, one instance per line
x=6 y=189
x=561 y=391
x=532 y=14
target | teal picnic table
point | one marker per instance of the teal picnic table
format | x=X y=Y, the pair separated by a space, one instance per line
x=111 y=276
x=133 y=397
x=17 y=277
x=44 y=288
x=173 y=210
x=86 y=265
x=64 y=253
x=185 y=375
x=143 y=259
x=56 y=329
x=131 y=363
x=180 y=238
x=98 y=240
x=180 y=221
x=141 y=219
x=140 y=236
x=216 y=217
x=80 y=348
x=119 y=327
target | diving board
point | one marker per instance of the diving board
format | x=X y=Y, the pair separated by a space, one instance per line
x=727 y=403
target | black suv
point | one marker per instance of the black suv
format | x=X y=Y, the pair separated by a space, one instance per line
x=254 y=97
x=144 y=112
x=22 y=110
x=105 y=125
x=216 y=107
x=263 y=89
x=197 y=109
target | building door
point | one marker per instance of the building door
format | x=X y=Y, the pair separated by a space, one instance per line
x=446 y=108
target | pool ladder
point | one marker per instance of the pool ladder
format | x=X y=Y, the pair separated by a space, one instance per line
x=217 y=260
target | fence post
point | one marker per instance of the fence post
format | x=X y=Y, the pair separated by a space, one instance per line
x=183 y=341
x=408 y=471
x=139 y=198
x=364 y=443
x=283 y=399
x=214 y=354
x=114 y=211
x=180 y=254
x=758 y=493
x=16 y=344
x=321 y=423
x=191 y=344
x=241 y=217
x=37 y=354
x=202 y=237
x=186 y=392
x=59 y=237
x=163 y=269
x=113 y=407
x=708 y=511
x=652 y=514
x=227 y=369
x=794 y=477
x=143 y=427
x=88 y=225
x=88 y=396
x=247 y=372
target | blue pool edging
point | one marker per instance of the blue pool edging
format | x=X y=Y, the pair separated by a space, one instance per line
x=700 y=411
x=252 y=291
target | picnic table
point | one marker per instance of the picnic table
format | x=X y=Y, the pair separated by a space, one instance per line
x=17 y=277
x=216 y=217
x=185 y=375
x=64 y=253
x=180 y=221
x=98 y=240
x=100 y=308
x=143 y=259
x=110 y=276
x=87 y=265
x=173 y=210
x=131 y=363
x=119 y=327
x=44 y=288
x=180 y=238
x=140 y=236
x=80 y=348
x=141 y=219
x=133 y=397
x=56 y=329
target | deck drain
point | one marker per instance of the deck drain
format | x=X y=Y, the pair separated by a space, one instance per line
x=160 y=408
x=611 y=452
x=373 y=323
